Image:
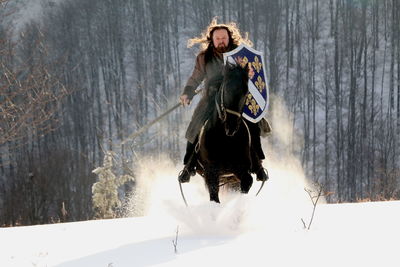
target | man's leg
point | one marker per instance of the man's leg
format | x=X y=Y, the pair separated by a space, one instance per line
x=189 y=161
x=257 y=167
x=257 y=154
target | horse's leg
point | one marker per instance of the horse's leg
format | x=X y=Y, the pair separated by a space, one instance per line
x=212 y=181
x=246 y=182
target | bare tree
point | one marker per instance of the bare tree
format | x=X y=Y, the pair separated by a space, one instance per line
x=29 y=101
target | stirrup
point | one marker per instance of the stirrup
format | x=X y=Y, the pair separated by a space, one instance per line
x=184 y=175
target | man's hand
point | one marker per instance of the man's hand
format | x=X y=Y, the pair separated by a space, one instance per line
x=184 y=100
x=251 y=71
x=243 y=62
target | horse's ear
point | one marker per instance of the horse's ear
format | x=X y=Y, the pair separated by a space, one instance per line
x=235 y=69
x=229 y=66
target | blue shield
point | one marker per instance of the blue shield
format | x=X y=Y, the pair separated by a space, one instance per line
x=256 y=104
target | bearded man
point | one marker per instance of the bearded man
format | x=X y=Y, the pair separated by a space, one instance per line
x=215 y=40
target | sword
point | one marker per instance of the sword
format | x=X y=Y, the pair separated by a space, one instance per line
x=148 y=125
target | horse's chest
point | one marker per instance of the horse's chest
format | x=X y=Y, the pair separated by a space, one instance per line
x=219 y=146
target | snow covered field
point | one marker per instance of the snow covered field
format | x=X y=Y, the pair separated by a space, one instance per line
x=364 y=234
x=242 y=231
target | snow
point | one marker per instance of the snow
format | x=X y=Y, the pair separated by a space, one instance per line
x=242 y=230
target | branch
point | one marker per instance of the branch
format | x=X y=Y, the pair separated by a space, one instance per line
x=314 y=199
x=175 y=242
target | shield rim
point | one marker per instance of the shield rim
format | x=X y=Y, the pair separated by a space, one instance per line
x=261 y=55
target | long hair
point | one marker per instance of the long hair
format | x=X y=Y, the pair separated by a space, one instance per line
x=205 y=39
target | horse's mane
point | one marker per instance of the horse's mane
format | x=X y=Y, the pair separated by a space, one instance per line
x=212 y=88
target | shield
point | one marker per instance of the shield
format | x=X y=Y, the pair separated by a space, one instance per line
x=256 y=104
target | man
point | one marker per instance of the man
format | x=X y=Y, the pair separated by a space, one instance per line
x=216 y=40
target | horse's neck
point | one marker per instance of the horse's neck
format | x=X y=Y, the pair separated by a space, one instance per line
x=213 y=93
x=214 y=103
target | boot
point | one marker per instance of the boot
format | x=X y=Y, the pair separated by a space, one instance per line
x=184 y=175
x=262 y=175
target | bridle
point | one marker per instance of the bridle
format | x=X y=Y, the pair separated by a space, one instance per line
x=223 y=111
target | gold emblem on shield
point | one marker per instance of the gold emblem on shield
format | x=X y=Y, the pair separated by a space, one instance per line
x=257 y=64
x=260 y=84
x=252 y=104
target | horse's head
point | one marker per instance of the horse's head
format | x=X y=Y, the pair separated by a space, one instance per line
x=233 y=93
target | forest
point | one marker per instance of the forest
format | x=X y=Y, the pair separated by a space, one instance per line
x=79 y=76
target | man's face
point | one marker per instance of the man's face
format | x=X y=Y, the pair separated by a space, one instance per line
x=220 y=40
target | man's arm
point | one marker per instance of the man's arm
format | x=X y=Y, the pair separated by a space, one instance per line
x=194 y=80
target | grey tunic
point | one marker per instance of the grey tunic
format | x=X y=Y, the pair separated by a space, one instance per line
x=206 y=72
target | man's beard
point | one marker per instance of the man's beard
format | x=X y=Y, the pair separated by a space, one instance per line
x=221 y=49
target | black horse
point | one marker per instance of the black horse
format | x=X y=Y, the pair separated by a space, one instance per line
x=225 y=140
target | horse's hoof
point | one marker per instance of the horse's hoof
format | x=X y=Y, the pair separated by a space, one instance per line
x=262 y=175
